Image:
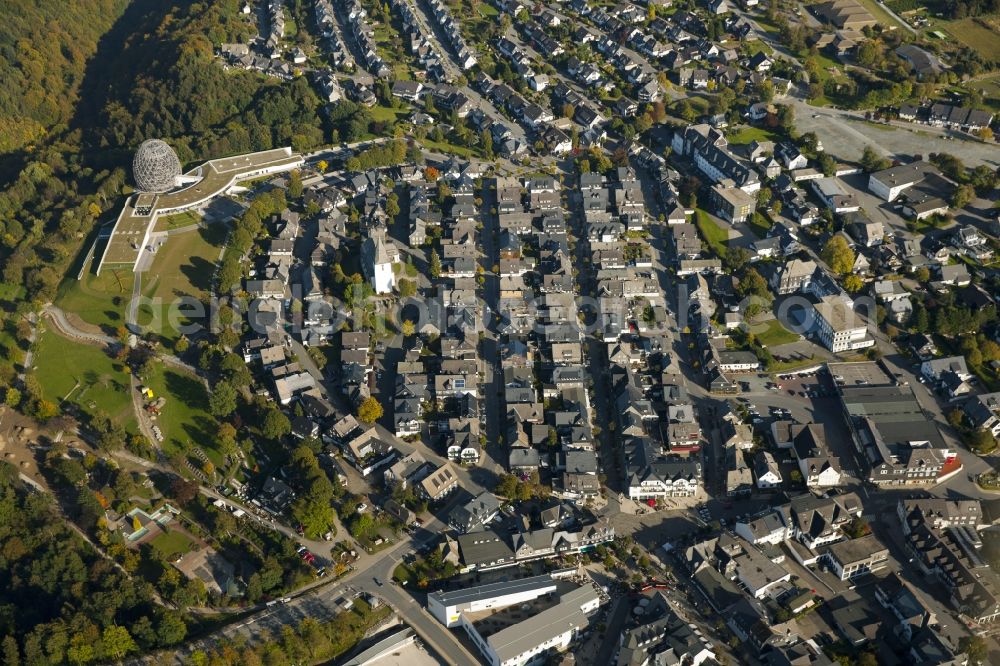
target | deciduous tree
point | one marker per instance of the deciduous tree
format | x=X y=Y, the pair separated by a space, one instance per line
x=370 y=410
x=838 y=255
x=872 y=161
x=276 y=425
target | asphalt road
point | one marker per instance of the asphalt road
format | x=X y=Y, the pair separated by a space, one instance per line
x=319 y=602
x=489 y=350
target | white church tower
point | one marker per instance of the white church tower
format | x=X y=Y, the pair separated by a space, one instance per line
x=378 y=255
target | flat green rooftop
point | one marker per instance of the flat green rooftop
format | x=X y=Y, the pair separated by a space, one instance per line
x=215 y=176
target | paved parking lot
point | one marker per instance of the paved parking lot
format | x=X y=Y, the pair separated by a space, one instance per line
x=846 y=138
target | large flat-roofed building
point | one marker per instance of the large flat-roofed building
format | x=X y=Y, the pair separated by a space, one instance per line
x=890 y=183
x=732 y=203
x=849 y=559
x=518 y=636
x=447 y=607
x=891 y=431
x=551 y=630
x=131 y=233
x=839 y=328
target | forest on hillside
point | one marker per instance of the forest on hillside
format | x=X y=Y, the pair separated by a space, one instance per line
x=61 y=602
x=44 y=48
x=145 y=70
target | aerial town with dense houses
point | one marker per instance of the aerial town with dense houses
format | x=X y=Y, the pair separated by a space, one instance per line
x=635 y=333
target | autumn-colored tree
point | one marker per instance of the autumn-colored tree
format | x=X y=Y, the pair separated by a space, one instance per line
x=838 y=255
x=435 y=265
x=45 y=410
x=370 y=410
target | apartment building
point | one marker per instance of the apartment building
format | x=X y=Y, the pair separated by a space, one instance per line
x=732 y=203
x=838 y=327
x=856 y=557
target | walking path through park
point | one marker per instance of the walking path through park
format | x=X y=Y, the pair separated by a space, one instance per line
x=66 y=329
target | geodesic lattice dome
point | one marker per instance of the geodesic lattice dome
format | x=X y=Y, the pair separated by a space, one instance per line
x=155 y=167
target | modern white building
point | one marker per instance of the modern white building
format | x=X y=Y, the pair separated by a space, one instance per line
x=856 y=557
x=838 y=327
x=130 y=237
x=528 y=640
x=447 y=607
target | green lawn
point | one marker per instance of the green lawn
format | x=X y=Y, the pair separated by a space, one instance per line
x=824 y=65
x=715 y=236
x=445 y=147
x=385 y=113
x=180 y=275
x=990 y=87
x=185 y=219
x=766 y=25
x=771 y=333
x=98 y=299
x=755 y=46
x=698 y=103
x=83 y=375
x=401 y=72
x=976 y=36
x=291 y=29
x=759 y=225
x=171 y=544
x=785 y=366
x=184 y=419
x=747 y=134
